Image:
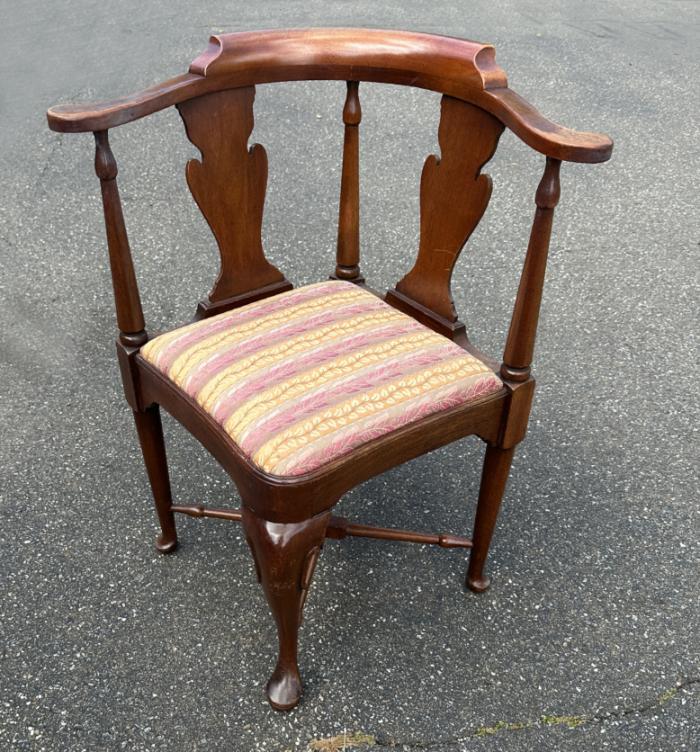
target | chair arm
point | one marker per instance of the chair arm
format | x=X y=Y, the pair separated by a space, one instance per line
x=101 y=116
x=543 y=135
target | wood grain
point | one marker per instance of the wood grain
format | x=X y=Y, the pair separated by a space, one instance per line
x=229 y=186
x=453 y=197
x=127 y=300
x=520 y=344
x=285 y=558
x=348 y=249
x=494 y=476
x=150 y=432
x=457 y=67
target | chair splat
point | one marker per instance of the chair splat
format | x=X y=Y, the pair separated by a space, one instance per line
x=453 y=198
x=229 y=185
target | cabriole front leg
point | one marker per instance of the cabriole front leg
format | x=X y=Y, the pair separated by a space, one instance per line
x=285 y=556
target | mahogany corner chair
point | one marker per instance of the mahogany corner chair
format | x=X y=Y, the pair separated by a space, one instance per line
x=303 y=394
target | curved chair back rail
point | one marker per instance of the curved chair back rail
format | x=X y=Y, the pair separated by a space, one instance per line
x=459 y=68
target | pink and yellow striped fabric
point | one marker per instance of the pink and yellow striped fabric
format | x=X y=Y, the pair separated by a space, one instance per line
x=302 y=378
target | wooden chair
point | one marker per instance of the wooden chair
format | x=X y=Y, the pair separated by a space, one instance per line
x=303 y=394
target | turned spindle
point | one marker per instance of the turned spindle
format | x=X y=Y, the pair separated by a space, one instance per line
x=126 y=293
x=348 y=254
x=520 y=345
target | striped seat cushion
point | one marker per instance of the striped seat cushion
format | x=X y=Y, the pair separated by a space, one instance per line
x=302 y=378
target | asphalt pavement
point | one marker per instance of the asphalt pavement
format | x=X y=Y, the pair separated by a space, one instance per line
x=590 y=636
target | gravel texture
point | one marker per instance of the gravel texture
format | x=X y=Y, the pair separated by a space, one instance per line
x=589 y=637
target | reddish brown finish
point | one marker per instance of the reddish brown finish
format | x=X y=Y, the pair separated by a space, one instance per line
x=126 y=292
x=206 y=307
x=457 y=67
x=235 y=515
x=287 y=519
x=454 y=330
x=285 y=557
x=150 y=431
x=229 y=187
x=398 y=57
x=348 y=255
x=453 y=198
x=516 y=412
x=339 y=528
x=493 y=483
x=520 y=344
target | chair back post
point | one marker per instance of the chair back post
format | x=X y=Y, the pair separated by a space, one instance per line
x=520 y=344
x=348 y=253
x=126 y=293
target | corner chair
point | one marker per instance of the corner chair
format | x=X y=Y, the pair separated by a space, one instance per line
x=302 y=394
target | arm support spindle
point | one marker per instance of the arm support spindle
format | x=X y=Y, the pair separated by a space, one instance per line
x=517 y=356
x=126 y=293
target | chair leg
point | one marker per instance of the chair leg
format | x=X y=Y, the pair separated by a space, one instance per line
x=285 y=555
x=493 y=483
x=150 y=431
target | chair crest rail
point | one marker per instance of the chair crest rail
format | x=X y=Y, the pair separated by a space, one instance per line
x=459 y=68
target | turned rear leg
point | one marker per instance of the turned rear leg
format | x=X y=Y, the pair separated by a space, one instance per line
x=150 y=431
x=493 y=483
x=285 y=556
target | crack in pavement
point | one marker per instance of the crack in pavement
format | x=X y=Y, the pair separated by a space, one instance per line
x=362 y=740
x=55 y=145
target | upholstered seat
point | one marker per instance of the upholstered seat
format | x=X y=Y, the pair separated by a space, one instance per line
x=302 y=378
